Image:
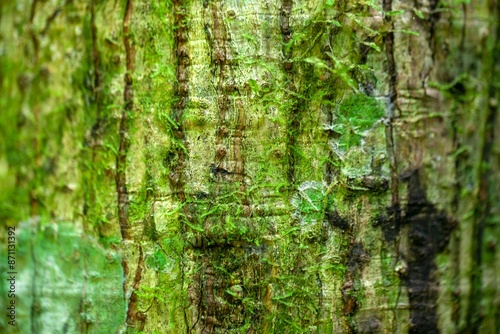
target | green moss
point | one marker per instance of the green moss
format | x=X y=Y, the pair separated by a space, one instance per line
x=355 y=115
x=157 y=260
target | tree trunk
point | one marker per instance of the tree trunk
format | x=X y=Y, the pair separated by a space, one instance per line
x=251 y=166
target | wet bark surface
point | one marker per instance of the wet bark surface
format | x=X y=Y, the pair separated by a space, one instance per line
x=253 y=166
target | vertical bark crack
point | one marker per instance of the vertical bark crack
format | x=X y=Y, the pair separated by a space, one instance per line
x=96 y=61
x=33 y=196
x=128 y=98
x=216 y=309
x=121 y=158
x=391 y=110
x=181 y=94
x=135 y=318
x=293 y=120
x=34 y=38
x=53 y=16
x=96 y=130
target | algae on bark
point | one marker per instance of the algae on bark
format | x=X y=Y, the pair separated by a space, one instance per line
x=251 y=166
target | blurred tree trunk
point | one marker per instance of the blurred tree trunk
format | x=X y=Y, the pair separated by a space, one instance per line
x=252 y=166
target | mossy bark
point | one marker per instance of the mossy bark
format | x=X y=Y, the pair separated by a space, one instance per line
x=251 y=166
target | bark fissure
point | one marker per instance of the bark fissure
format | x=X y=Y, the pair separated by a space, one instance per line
x=96 y=62
x=355 y=259
x=53 y=16
x=135 y=318
x=228 y=169
x=34 y=199
x=124 y=144
x=293 y=118
x=395 y=210
x=460 y=161
x=181 y=97
x=94 y=87
x=34 y=37
x=223 y=63
x=123 y=148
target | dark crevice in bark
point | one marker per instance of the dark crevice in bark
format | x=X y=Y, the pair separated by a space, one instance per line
x=220 y=291
x=135 y=318
x=293 y=120
x=208 y=37
x=222 y=63
x=96 y=62
x=181 y=88
x=195 y=298
x=95 y=89
x=128 y=99
x=53 y=16
x=330 y=169
x=335 y=220
x=286 y=33
x=391 y=63
x=429 y=233
x=460 y=162
x=34 y=38
x=386 y=223
x=239 y=168
x=36 y=45
x=227 y=93
x=464 y=30
x=215 y=307
x=33 y=10
x=354 y=259
x=209 y=311
x=121 y=158
x=391 y=110
x=181 y=97
x=34 y=199
x=483 y=203
x=321 y=303
x=435 y=15
x=429 y=24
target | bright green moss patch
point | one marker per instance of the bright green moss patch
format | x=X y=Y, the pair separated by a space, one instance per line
x=356 y=114
x=157 y=261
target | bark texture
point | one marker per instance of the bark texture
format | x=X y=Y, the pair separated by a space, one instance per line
x=277 y=166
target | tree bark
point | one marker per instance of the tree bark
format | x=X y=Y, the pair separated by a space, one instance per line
x=271 y=166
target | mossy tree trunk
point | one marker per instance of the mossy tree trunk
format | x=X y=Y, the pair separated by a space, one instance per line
x=251 y=166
